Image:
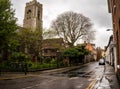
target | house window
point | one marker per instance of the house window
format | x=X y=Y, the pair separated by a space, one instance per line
x=45 y=51
x=119 y=23
x=114 y=9
x=52 y=50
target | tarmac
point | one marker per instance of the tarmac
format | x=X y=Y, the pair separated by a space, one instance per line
x=108 y=81
x=15 y=75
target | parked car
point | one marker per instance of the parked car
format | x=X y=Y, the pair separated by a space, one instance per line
x=102 y=61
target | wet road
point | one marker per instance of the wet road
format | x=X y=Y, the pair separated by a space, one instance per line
x=83 y=78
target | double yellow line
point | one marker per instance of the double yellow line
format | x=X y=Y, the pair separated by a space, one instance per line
x=91 y=85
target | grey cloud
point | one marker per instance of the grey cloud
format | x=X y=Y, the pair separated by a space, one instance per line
x=96 y=10
x=102 y=37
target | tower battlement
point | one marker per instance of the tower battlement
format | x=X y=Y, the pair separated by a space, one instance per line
x=33 y=2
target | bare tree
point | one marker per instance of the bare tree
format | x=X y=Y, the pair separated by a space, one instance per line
x=72 y=27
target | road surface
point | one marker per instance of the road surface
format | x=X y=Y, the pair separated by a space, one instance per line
x=83 y=78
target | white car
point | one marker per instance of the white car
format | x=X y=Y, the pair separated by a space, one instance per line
x=102 y=61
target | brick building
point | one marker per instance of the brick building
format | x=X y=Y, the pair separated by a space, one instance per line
x=114 y=9
x=93 y=53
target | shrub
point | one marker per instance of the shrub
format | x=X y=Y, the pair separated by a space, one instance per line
x=19 y=56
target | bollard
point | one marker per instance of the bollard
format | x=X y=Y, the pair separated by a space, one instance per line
x=25 y=68
x=0 y=72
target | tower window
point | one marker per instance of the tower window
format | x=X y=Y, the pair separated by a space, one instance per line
x=29 y=14
x=38 y=15
x=29 y=11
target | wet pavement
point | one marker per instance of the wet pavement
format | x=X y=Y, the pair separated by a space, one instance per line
x=108 y=80
x=89 y=76
x=104 y=84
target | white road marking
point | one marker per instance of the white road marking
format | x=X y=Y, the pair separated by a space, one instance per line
x=79 y=86
x=73 y=78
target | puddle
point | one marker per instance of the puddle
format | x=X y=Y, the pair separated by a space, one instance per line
x=73 y=74
x=104 y=84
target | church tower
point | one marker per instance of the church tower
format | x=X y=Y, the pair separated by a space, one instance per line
x=33 y=16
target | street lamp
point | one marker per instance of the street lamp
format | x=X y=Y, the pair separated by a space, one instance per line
x=109 y=30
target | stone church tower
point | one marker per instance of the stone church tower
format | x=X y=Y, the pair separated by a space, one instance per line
x=33 y=16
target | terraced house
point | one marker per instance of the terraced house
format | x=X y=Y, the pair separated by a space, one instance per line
x=114 y=9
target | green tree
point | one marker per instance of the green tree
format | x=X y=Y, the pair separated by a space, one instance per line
x=8 y=26
x=75 y=54
x=30 y=42
x=70 y=52
x=82 y=50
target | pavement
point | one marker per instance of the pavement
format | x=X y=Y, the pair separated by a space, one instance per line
x=108 y=80
x=111 y=77
x=15 y=75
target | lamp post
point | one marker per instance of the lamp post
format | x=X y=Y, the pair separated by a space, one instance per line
x=58 y=57
x=109 y=30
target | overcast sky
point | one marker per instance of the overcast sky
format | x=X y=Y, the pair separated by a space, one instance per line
x=96 y=10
